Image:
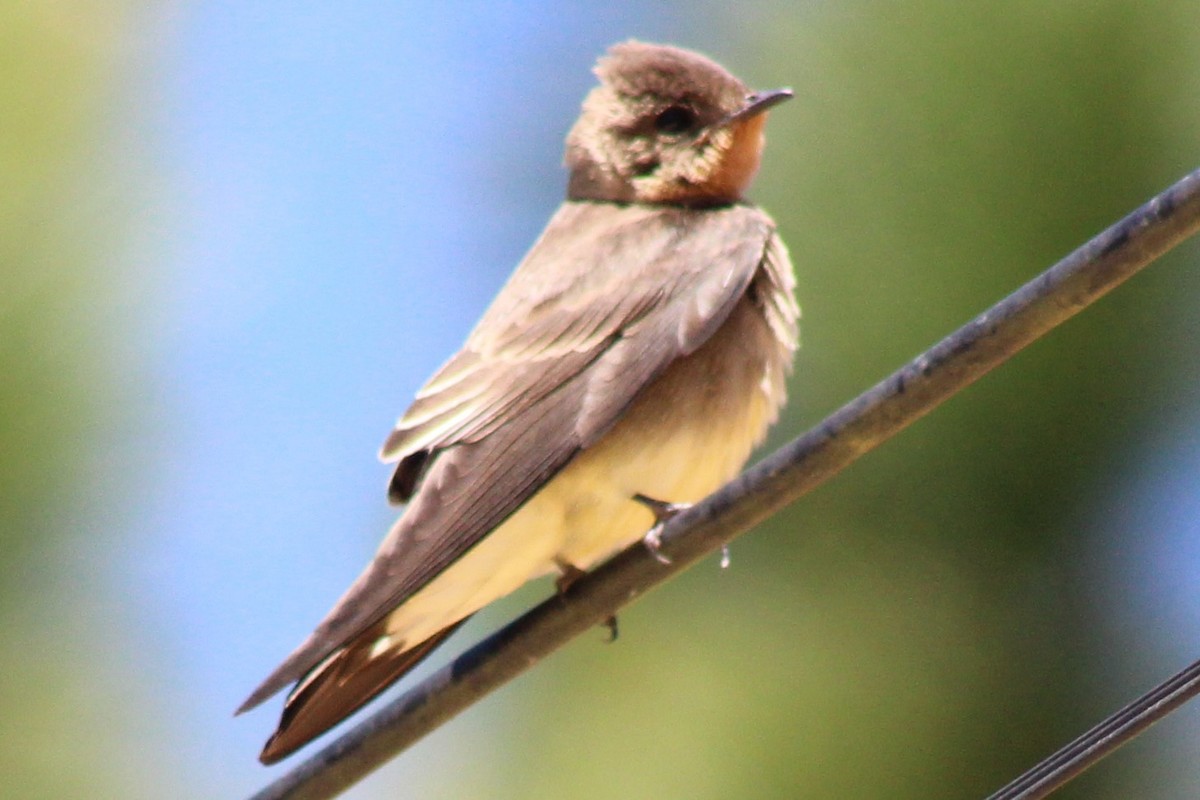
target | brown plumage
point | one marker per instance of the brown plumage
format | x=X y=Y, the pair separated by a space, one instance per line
x=639 y=348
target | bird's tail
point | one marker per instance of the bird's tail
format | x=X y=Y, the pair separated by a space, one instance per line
x=341 y=684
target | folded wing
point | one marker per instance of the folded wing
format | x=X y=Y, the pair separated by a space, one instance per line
x=603 y=303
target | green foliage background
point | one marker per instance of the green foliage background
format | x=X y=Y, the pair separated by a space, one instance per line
x=75 y=390
x=928 y=625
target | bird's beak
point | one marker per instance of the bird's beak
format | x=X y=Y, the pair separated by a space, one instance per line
x=756 y=104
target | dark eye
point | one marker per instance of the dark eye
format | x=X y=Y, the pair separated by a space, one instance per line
x=675 y=119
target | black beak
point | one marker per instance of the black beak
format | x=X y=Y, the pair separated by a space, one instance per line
x=757 y=103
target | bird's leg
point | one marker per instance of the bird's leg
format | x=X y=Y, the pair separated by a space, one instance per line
x=567 y=575
x=662 y=512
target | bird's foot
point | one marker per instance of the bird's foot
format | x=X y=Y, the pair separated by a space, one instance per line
x=567 y=575
x=662 y=512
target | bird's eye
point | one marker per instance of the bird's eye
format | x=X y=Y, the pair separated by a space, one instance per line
x=675 y=119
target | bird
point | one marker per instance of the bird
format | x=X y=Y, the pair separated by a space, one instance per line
x=628 y=367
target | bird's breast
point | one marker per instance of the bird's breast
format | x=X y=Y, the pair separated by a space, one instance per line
x=686 y=434
x=689 y=431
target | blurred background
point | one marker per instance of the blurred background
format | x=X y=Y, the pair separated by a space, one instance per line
x=237 y=236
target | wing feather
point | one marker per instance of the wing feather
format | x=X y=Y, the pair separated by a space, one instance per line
x=607 y=299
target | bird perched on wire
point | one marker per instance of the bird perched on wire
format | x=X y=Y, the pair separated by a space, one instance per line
x=627 y=368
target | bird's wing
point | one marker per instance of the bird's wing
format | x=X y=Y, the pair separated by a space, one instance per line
x=599 y=270
x=603 y=303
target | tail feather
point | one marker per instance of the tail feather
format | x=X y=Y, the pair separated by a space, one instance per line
x=340 y=685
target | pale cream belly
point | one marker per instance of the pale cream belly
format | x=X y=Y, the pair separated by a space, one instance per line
x=684 y=437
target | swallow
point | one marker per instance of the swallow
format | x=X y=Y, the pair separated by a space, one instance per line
x=630 y=364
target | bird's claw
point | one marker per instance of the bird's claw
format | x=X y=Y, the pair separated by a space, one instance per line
x=663 y=512
x=568 y=574
x=653 y=542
